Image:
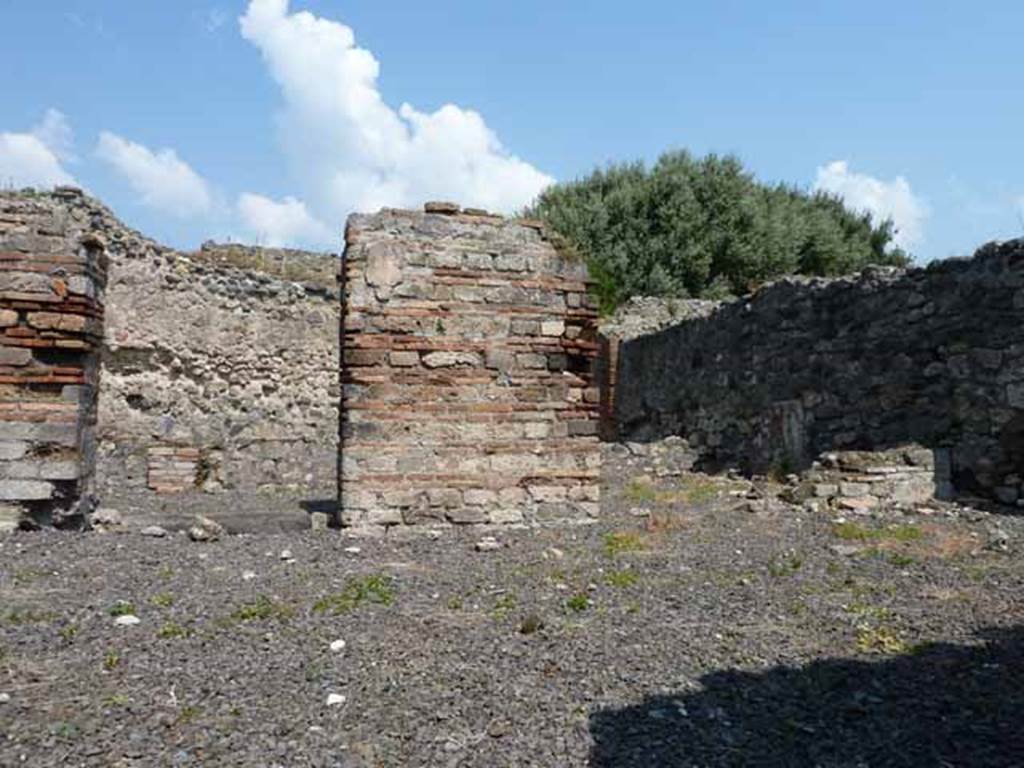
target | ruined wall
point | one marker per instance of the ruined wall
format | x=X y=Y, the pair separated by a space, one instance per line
x=219 y=381
x=218 y=386
x=933 y=356
x=469 y=348
x=52 y=274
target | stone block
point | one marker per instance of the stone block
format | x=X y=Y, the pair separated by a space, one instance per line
x=478 y=496
x=849 y=489
x=8 y=317
x=451 y=359
x=444 y=497
x=404 y=359
x=15 y=356
x=505 y=516
x=382 y=516
x=500 y=359
x=12 y=450
x=10 y=517
x=400 y=498
x=524 y=328
x=583 y=427
x=41 y=432
x=466 y=515
x=511 y=496
x=57 y=321
x=532 y=360
x=552 y=328
x=39 y=469
x=537 y=430
x=548 y=493
x=441 y=206
x=25 y=490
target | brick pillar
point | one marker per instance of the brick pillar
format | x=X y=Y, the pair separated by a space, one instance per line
x=469 y=393
x=51 y=322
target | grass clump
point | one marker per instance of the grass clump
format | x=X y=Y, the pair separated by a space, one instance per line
x=850 y=531
x=622 y=579
x=162 y=600
x=171 y=630
x=620 y=542
x=262 y=609
x=578 y=602
x=880 y=640
x=641 y=492
x=530 y=624
x=785 y=566
x=28 y=616
x=503 y=606
x=121 y=608
x=376 y=589
x=111 y=660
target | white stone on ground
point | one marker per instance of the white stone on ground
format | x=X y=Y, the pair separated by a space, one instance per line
x=338 y=646
x=153 y=530
x=335 y=699
x=128 y=620
x=488 y=544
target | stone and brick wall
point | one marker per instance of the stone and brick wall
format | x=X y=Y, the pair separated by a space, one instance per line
x=468 y=391
x=52 y=276
x=217 y=370
x=219 y=385
x=932 y=356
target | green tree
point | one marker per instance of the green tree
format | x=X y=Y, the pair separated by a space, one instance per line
x=690 y=227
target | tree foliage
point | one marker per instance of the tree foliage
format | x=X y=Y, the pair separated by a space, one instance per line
x=705 y=227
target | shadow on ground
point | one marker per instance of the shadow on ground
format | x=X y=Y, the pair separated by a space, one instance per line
x=941 y=705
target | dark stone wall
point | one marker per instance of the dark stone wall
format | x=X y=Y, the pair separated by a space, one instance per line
x=931 y=355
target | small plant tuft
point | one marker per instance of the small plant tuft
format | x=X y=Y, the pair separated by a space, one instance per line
x=624 y=578
x=121 y=608
x=162 y=600
x=376 y=589
x=619 y=542
x=262 y=609
x=531 y=624
x=578 y=602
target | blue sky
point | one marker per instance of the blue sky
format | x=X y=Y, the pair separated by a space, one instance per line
x=281 y=125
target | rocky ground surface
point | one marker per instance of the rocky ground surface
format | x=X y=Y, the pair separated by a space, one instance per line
x=703 y=622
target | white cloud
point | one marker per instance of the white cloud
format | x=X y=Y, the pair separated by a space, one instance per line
x=350 y=150
x=882 y=199
x=287 y=222
x=55 y=132
x=34 y=159
x=164 y=181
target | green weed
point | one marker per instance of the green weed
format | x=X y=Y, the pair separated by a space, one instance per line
x=619 y=542
x=376 y=589
x=162 y=600
x=121 y=608
x=262 y=609
x=624 y=578
x=578 y=602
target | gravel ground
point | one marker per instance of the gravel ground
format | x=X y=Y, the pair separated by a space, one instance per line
x=714 y=631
